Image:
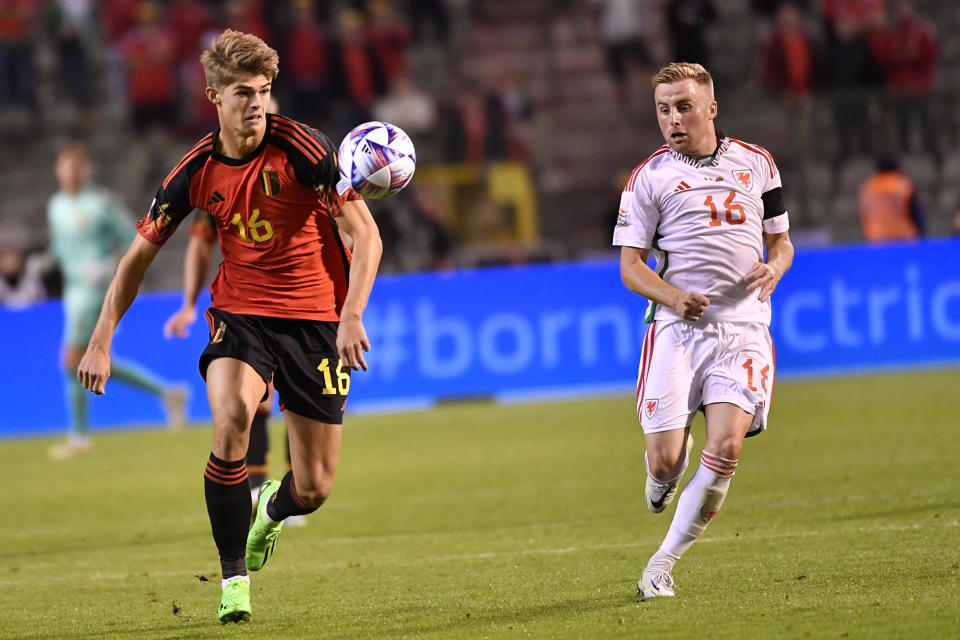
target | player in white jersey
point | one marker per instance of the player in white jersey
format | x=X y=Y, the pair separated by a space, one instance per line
x=709 y=207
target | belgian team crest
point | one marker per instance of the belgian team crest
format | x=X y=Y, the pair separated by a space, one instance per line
x=650 y=407
x=270 y=181
x=744 y=178
x=218 y=334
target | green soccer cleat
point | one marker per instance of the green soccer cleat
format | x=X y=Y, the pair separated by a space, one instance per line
x=263 y=534
x=235 y=602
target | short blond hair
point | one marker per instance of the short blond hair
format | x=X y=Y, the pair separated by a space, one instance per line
x=234 y=54
x=73 y=148
x=676 y=71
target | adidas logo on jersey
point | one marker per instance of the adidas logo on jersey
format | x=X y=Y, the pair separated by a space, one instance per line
x=216 y=197
x=683 y=186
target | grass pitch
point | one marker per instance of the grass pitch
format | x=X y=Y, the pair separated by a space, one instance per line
x=480 y=521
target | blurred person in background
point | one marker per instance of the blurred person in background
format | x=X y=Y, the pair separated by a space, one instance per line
x=189 y=21
x=687 y=21
x=356 y=70
x=788 y=73
x=416 y=237
x=889 y=207
x=286 y=306
x=21 y=277
x=908 y=53
x=767 y=9
x=389 y=37
x=432 y=15
x=149 y=51
x=18 y=21
x=509 y=119
x=73 y=25
x=714 y=205
x=88 y=227
x=407 y=106
x=853 y=72
x=117 y=17
x=307 y=65
x=247 y=16
x=623 y=27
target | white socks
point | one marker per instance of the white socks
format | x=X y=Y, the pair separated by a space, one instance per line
x=699 y=502
x=223 y=583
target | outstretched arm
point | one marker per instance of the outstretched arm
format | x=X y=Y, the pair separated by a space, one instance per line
x=196 y=265
x=357 y=222
x=94 y=367
x=766 y=275
x=640 y=278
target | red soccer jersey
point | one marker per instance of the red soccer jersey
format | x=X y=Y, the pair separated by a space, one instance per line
x=274 y=212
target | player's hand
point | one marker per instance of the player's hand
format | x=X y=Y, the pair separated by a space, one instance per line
x=94 y=369
x=179 y=323
x=692 y=306
x=352 y=342
x=764 y=277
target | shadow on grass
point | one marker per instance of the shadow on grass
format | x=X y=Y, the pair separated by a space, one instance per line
x=483 y=621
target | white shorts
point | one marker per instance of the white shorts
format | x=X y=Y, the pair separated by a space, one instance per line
x=685 y=367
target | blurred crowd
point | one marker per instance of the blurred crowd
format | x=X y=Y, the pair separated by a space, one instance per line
x=343 y=62
x=879 y=62
x=876 y=58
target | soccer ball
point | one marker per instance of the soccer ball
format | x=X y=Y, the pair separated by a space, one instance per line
x=376 y=159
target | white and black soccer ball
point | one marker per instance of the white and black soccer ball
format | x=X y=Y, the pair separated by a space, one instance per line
x=376 y=159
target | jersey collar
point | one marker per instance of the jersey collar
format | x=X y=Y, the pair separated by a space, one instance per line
x=710 y=161
x=247 y=158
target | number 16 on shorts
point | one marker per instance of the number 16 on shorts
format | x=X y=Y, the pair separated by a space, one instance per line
x=342 y=384
x=764 y=375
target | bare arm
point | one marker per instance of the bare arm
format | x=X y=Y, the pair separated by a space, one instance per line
x=641 y=279
x=94 y=367
x=196 y=265
x=766 y=275
x=357 y=222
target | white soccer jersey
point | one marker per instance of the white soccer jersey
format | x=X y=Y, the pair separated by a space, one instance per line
x=704 y=221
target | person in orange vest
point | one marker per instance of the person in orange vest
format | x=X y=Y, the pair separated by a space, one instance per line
x=889 y=207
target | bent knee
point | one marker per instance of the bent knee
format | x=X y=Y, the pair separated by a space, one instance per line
x=232 y=418
x=728 y=448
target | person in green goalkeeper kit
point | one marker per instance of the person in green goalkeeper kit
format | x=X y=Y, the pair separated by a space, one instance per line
x=87 y=228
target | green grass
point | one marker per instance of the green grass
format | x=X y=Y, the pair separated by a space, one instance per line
x=480 y=521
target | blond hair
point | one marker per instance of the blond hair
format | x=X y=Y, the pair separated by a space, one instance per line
x=73 y=147
x=234 y=54
x=676 y=71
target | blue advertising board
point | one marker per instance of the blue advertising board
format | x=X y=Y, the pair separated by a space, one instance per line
x=529 y=332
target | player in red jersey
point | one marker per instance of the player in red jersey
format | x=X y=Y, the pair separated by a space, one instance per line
x=286 y=304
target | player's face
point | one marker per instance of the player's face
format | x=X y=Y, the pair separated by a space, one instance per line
x=73 y=170
x=685 y=111
x=242 y=106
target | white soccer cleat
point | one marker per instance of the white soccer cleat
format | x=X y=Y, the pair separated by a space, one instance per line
x=655 y=583
x=72 y=447
x=660 y=494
